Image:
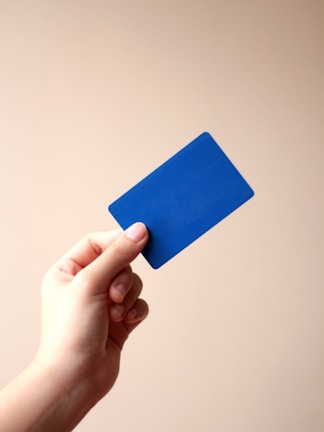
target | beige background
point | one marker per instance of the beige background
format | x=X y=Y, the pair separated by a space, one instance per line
x=96 y=94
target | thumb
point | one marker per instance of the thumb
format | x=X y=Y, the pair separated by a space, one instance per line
x=98 y=275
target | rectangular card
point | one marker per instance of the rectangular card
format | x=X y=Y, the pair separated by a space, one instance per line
x=183 y=198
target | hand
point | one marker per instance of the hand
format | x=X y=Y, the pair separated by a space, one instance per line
x=90 y=306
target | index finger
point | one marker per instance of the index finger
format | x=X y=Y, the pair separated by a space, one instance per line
x=88 y=249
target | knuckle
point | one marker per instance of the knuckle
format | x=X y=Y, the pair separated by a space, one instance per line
x=137 y=281
x=94 y=246
x=137 y=286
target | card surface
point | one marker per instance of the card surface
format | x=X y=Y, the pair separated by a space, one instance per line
x=183 y=198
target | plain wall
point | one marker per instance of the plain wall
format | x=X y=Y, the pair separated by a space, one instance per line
x=96 y=94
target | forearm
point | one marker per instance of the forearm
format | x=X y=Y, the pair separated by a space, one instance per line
x=42 y=399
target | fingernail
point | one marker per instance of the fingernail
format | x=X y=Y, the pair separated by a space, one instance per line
x=121 y=290
x=132 y=314
x=118 y=309
x=136 y=232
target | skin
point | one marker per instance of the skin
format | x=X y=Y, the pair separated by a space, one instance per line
x=90 y=305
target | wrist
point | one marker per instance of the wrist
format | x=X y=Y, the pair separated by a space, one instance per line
x=67 y=396
x=46 y=398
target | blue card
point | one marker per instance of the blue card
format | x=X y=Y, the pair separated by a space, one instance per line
x=183 y=198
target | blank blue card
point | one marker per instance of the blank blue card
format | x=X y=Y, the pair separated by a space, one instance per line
x=183 y=198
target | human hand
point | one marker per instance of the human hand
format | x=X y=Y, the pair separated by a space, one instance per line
x=90 y=305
